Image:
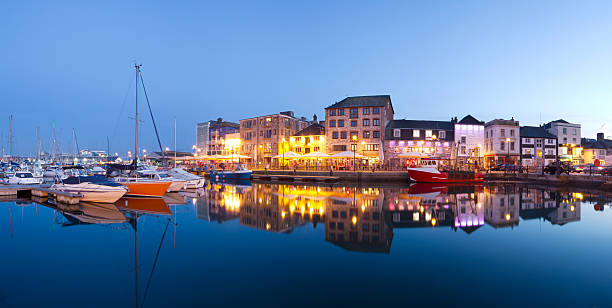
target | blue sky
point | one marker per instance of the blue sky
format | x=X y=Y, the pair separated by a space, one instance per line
x=72 y=63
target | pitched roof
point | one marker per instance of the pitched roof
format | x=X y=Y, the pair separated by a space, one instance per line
x=549 y=124
x=469 y=119
x=363 y=101
x=536 y=132
x=595 y=144
x=421 y=124
x=314 y=129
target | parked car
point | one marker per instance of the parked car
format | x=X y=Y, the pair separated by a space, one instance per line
x=552 y=168
x=587 y=169
x=506 y=167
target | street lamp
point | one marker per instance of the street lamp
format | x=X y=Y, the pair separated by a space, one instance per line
x=354 y=138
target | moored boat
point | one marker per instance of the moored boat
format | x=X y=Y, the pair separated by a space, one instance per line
x=23 y=178
x=144 y=188
x=427 y=172
x=239 y=174
x=93 y=192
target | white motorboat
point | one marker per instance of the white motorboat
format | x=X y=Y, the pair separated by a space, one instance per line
x=23 y=178
x=192 y=181
x=93 y=192
x=175 y=184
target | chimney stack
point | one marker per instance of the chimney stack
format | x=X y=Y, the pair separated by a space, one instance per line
x=600 y=136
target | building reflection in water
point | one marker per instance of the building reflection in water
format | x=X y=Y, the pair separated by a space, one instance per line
x=363 y=219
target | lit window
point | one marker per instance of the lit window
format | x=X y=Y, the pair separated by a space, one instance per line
x=396 y=133
x=416 y=133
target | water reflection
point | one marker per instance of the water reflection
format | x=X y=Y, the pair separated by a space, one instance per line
x=363 y=219
x=354 y=218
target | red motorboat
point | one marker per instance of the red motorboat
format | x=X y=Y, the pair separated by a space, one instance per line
x=427 y=172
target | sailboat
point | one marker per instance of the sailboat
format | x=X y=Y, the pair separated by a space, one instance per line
x=137 y=186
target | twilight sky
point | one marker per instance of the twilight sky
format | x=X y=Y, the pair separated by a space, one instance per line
x=72 y=63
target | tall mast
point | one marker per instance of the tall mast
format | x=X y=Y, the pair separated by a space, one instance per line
x=136 y=136
x=11 y=136
x=36 y=142
x=174 y=142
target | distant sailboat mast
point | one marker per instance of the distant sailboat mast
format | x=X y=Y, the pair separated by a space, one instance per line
x=136 y=135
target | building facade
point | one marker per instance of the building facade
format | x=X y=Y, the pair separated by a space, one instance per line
x=357 y=124
x=469 y=140
x=568 y=140
x=407 y=140
x=263 y=137
x=210 y=136
x=538 y=147
x=597 y=151
x=501 y=144
x=307 y=140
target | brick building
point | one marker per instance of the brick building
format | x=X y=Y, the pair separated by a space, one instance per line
x=357 y=124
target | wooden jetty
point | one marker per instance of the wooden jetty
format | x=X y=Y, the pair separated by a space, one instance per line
x=40 y=191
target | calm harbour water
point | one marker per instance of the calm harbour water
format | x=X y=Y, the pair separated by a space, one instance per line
x=286 y=246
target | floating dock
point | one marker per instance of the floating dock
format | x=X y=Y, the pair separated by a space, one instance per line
x=40 y=191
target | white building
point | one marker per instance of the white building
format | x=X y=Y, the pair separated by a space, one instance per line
x=501 y=142
x=469 y=140
x=568 y=140
x=538 y=147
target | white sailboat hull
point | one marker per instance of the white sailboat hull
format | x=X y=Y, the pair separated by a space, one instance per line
x=93 y=192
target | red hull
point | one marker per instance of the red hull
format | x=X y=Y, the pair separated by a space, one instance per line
x=443 y=177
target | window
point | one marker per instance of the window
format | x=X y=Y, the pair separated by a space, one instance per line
x=512 y=133
x=334 y=214
x=574 y=140
x=340 y=112
x=268 y=133
x=342 y=135
x=340 y=226
x=503 y=132
x=564 y=131
x=502 y=145
x=335 y=135
x=332 y=123
x=574 y=132
x=370 y=147
x=354 y=135
x=442 y=134
x=397 y=133
x=365 y=227
x=463 y=151
x=375 y=122
x=512 y=146
x=366 y=110
x=339 y=147
x=353 y=123
x=366 y=134
x=416 y=133
x=332 y=112
x=527 y=140
x=463 y=139
x=366 y=122
x=375 y=227
x=354 y=112
x=375 y=110
x=340 y=123
x=332 y=225
x=376 y=134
